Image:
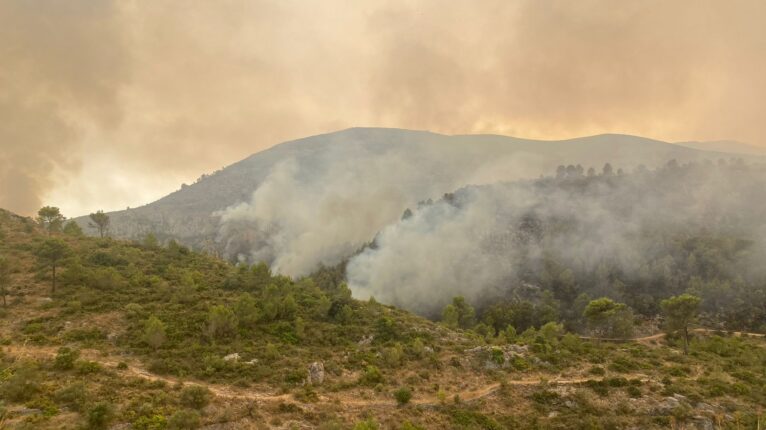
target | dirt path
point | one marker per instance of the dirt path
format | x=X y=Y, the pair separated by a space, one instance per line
x=137 y=371
x=658 y=336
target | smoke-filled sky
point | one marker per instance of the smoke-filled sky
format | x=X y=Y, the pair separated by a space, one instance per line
x=113 y=104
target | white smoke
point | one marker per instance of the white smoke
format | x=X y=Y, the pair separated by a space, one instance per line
x=478 y=242
x=319 y=209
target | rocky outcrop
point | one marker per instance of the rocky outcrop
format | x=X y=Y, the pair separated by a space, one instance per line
x=316 y=373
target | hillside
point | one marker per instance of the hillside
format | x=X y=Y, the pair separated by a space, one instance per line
x=143 y=336
x=636 y=238
x=315 y=201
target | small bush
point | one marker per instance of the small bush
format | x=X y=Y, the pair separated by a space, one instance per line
x=617 y=382
x=65 y=358
x=545 y=397
x=599 y=387
x=87 y=367
x=100 y=416
x=623 y=365
x=520 y=363
x=403 y=396
x=84 y=335
x=634 y=391
x=22 y=386
x=195 y=397
x=288 y=408
x=184 y=420
x=597 y=370
x=72 y=397
x=368 y=424
x=371 y=376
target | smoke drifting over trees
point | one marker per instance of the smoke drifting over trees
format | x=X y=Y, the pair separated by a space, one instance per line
x=320 y=199
x=636 y=237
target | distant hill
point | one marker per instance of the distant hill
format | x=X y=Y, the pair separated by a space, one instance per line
x=726 y=146
x=316 y=200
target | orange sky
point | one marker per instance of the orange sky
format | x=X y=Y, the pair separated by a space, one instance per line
x=108 y=105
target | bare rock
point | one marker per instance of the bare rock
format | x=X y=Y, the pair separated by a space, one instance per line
x=666 y=406
x=700 y=422
x=316 y=373
x=232 y=357
x=366 y=340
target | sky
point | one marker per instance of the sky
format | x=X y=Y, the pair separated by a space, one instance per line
x=105 y=105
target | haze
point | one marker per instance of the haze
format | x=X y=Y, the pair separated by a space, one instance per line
x=114 y=104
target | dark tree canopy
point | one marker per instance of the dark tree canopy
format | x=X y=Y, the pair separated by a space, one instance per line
x=50 y=253
x=50 y=218
x=100 y=221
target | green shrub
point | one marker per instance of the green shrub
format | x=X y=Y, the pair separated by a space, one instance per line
x=468 y=419
x=368 y=424
x=221 y=322
x=150 y=422
x=288 y=408
x=599 y=387
x=184 y=420
x=403 y=395
x=87 y=367
x=100 y=416
x=634 y=391
x=154 y=332
x=597 y=370
x=497 y=356
x=545 y=397
x=65 y=358
x=84 y=335
x=393 y=356
x=133 y=310
x=195 y=396
x=617 y=382
x=371 y=376
x=72 y=396
x=22 y=385
x=520 y=363
x=623 y=365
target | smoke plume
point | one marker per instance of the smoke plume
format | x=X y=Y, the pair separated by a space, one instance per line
x=145 y=95
x=483 y=242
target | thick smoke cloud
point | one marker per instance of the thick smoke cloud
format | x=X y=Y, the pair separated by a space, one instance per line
x=480 y=242
x=320 y=208
x=166 y=90
x=62 y=65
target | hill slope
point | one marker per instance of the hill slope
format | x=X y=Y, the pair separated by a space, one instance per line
x=147 y=337
x=316 y=200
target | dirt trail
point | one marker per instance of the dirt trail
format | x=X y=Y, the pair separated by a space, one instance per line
x=657 y=336
x=136 y=371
